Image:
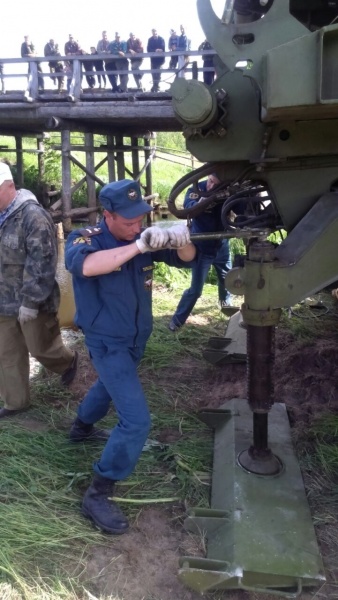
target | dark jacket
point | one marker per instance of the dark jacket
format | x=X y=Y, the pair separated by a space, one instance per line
x=137 y=46
x=173 y=42
x=156 y=44
x=27 y=49
x=117 y=305
x=208 y=221
x=183 y=42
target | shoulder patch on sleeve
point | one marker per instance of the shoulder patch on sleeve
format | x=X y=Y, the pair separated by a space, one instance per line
x=89 y=231
x=193 y=196
x=80 y=240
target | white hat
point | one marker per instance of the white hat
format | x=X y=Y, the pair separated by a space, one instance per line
x=5 y=173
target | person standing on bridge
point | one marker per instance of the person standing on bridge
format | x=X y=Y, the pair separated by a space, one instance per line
x=172 y=46
x=156 y=43
x=135 y=47
x=118 y=49
x=208 y=62
x=102 y=48
x=183 y=59
x=28 y=50
x=29 y=296
x=98 y=66
x=112 y=268
x=55 y=66
x=72 y=48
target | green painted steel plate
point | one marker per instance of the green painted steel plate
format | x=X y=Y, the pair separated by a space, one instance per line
x=259 y=529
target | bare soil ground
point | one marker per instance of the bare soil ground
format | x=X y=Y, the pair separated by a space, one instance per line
x=142 y=565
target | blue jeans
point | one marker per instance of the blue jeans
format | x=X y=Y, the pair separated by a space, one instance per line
x=118 y=382
x=222 y=264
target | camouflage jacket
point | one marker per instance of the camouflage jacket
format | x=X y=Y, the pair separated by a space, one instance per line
x=28 y=257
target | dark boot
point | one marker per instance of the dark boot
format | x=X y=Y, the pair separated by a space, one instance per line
x=83 y=432
x=68 y=376
x=105 y=514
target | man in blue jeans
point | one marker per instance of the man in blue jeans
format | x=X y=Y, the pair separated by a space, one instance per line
x=210 y=252
x=112 y=267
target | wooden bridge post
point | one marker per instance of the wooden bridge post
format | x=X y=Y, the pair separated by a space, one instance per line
x=90 y=166
x=135 y=157
x=33 y=83
x=41 y=158
x=19 y=161
x=111 y=158
x=149 y=183
x=66 y=181
x=120 y=158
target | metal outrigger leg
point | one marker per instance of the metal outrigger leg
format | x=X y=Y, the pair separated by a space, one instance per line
x=259 y=528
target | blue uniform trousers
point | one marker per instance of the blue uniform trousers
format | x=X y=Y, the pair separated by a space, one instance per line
x=222 y=264
x=118 y=382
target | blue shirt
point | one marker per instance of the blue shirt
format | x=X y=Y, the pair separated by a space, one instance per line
x=116 y=306
x=207 y=222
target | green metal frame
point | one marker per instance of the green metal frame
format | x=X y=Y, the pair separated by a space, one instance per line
x=259 y=529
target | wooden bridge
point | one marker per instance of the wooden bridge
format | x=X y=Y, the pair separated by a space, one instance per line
x=134 y=114
x=88 y=110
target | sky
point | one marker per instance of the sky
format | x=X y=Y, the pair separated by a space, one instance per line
x=43 y=19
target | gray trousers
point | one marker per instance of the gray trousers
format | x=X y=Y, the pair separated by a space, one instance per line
x=40 y=337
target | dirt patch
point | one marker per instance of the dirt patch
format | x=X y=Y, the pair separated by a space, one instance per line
x=143 y=563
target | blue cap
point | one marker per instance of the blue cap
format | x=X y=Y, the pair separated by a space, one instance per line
x=124 y=197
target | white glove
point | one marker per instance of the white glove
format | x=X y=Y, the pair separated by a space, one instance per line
x=152 y=239
x=27 y=314
x=179 y=236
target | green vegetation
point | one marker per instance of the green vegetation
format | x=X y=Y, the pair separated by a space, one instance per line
x=44 y=539
x=164 y=172
x=45 y=543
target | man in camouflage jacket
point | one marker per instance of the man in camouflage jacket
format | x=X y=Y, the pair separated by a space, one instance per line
x=29 y=296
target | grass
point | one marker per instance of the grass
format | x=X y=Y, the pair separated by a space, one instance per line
x=45 y=543
x=44 y=539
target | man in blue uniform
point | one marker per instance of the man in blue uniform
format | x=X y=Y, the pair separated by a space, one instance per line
x=210 y=252
x=112 y=267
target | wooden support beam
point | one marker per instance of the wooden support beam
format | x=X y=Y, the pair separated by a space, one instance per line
x=92 y=175
x=148 y=160
x=135 y=157
x=120 y=158
x=111 y=158
x=90 y=165
x=75 y=85
x=83 y=179
x=66 y=181
x=73 y=213
x=19 y=161
x=41 y=159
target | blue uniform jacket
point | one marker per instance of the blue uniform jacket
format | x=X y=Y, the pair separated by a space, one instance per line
x=116 y=306
x=209 y=221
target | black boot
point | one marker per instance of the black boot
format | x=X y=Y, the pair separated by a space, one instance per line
x=105 y=514
x=83 y=432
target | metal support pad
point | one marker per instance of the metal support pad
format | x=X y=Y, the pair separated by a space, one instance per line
x=259 y=529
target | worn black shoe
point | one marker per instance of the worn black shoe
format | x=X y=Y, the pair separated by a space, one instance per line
x=228 y=309
x=83 y=432
x=6 y=412
x=174 y=326
x=104 y=513
x=68 y=376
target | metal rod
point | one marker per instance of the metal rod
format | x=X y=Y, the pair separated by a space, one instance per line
x=238 y=233
x=260 y=431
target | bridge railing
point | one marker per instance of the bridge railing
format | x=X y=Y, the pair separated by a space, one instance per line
x=32 y=70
